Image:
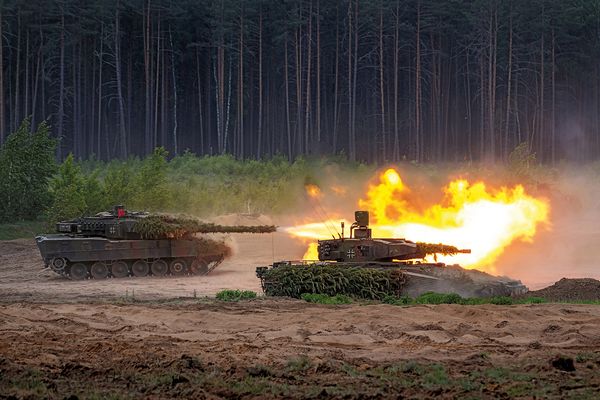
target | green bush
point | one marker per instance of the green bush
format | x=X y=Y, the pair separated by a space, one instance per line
x=26 y=166
x=119 y=183
x=534 y=300
x=439 y=298
x=68 y=192
x=325 y=299
x=502 y=300
x=151 y=183
x=235 y=295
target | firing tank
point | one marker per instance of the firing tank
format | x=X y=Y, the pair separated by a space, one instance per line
x=404 y=257
x=121 y=243
x=361 y=247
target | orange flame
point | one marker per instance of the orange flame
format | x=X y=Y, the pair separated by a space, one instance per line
x=469 y=216
x=313 y=190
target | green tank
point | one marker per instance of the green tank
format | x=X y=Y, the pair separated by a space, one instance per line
x=400 y=259
x=122 y=243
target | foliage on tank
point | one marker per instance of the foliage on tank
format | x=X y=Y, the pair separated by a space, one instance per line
x=444 y=249
x=211 y=246
x=158 y=226
x=293 y=280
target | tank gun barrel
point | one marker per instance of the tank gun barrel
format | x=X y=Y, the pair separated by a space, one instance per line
x=215 y=228
x=444 y=249
x=162 y=225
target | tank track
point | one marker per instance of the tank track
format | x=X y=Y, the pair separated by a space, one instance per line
x=159 y=267
x=427 y=277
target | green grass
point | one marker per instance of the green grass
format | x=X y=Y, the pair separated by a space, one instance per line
x=453 y=298
x=21 y=230
x=325 y=299
x=235 y=295
x=298 y=364
x=425 y=298
x=438 y=298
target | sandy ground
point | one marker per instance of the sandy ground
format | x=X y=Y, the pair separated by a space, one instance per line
x=286 y=348
x=122 y=338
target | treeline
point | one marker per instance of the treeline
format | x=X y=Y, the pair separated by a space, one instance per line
x=377 y=81
x=34 y=186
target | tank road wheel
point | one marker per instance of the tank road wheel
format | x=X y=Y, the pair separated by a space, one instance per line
x=99 y=270
x=199 y=267
x=119 y=269
x=78 y=271
x=159 y=268
x=58 y=264
x=178 y=266
x=140 y=268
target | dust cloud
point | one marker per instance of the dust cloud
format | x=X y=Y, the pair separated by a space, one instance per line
x=570 y=246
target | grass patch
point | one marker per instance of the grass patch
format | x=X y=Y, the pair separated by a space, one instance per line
x=21 y=230
x=30 y=383
x=435 y=376
x=298 y=364
x=453 y=298
x=586 y=356
x=325 y=299
x=235 y=295
x=438 y=298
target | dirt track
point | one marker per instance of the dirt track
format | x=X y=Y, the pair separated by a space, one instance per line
x=88 y=339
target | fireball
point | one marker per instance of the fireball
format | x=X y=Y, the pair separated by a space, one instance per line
x=468 y=215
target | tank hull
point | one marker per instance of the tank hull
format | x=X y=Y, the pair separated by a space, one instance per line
x=62 y=251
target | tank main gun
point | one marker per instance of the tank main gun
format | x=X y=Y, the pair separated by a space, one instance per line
x=361 y=246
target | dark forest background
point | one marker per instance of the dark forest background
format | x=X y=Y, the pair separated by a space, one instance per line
x=377 y=81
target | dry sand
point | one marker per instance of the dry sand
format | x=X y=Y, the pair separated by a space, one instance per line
x=60 y=338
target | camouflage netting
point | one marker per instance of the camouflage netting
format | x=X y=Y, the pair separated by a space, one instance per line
x=431 y=248
x=294 y=280
x=159 y=226
x=213 y=247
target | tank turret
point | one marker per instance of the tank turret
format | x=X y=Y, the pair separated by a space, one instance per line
x=121 y=243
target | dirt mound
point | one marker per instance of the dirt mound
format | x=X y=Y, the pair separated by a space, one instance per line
x=570 y=289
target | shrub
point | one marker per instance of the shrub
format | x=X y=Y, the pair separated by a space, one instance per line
x=534 y=300
x=439 y=298
x=151 y=183
x=501 y=300
x=521 y=161
x=67 y=188
x=235 y=295
x=26 y=166
x=119 y=184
